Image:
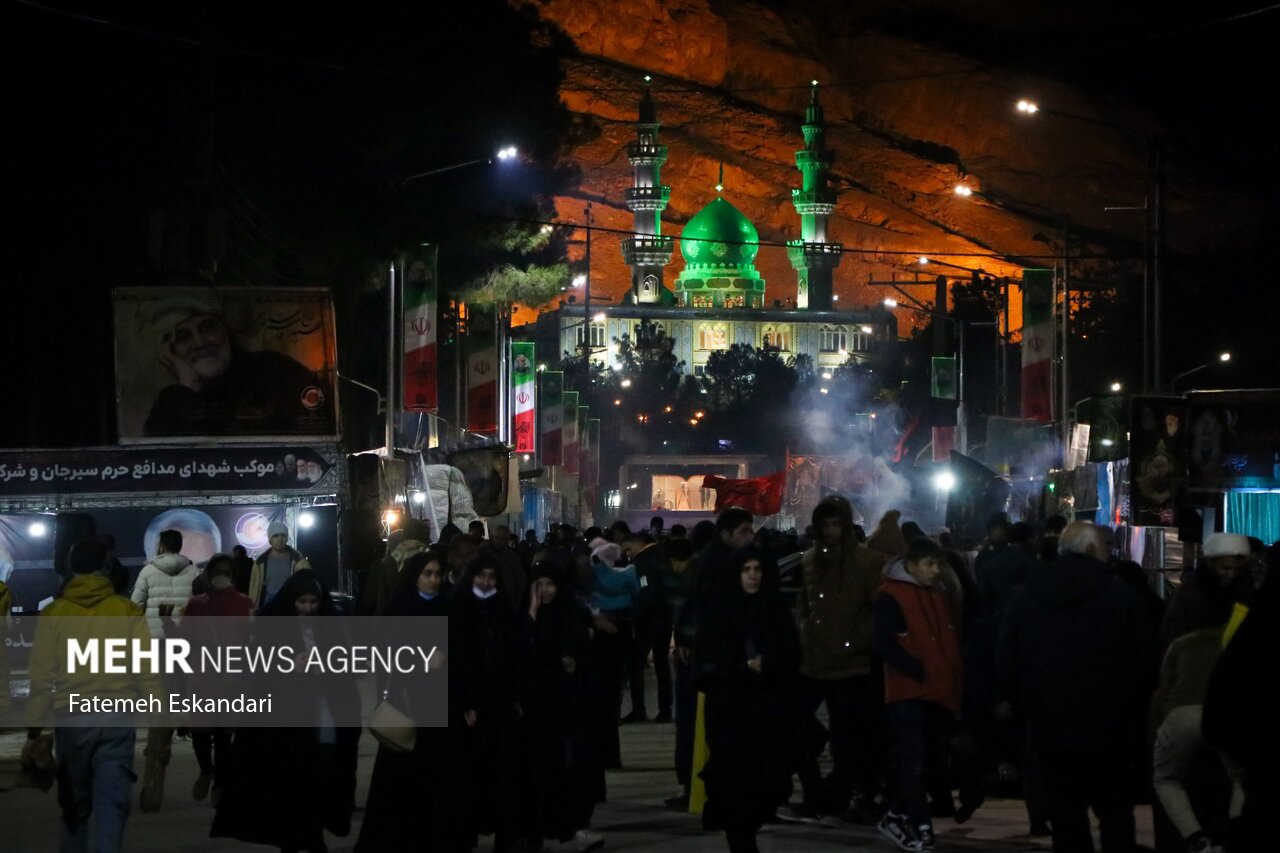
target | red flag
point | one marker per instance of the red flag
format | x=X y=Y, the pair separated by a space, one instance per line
x=758 y=495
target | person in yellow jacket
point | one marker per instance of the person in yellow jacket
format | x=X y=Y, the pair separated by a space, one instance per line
x=94 y=750
x=275 y=565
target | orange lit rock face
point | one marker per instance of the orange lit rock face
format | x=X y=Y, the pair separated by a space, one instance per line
x=907 y=123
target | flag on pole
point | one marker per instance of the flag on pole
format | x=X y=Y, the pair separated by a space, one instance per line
x=418 y=306
x=758 y=495
x=569 y=442
x=523 y=398
x=552 y=411
x=584 y=445
x=482 y=371
x=1037 y=345
x=593 y=457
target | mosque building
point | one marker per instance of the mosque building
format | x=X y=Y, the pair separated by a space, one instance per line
x=718 y=299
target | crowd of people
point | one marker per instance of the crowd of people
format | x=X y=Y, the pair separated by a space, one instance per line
x=1036 y=654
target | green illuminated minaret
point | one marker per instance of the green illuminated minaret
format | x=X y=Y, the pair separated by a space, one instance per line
x=648 y=252
x=813 y=257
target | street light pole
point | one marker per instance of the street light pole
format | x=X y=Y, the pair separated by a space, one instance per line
x=391 y=407
x=1157 y=253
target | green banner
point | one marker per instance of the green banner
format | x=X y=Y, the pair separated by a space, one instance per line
x=551 y=406
x=944 y=377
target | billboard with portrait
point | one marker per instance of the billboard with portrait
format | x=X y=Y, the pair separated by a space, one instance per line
x=225 y=364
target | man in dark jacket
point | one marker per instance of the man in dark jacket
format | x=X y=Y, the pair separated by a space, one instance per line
x=1075 y=657
x=1007 y=569
x=734 y=529
x=1220 y=581
x=654 y=624
x=1238 y=723
x=840 y=580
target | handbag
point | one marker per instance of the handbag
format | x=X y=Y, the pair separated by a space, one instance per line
x=391 y=727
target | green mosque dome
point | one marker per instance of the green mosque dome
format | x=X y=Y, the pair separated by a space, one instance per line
x=719 y=235
x=719 y=245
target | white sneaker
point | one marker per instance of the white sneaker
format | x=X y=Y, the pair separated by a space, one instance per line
x=585 y=839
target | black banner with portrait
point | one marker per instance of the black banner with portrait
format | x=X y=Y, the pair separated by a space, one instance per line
x=1234 y=440
x=225 y=363
x=1158 y=448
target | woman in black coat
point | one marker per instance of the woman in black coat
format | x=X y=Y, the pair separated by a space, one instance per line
x=286 y=786
x=747 y=660
x=394 y=818
x=485 y=699
x=559 y=749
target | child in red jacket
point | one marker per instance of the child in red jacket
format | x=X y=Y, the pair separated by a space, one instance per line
x=915 y=636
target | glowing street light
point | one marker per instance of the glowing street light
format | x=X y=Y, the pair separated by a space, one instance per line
x=391 y=518
x=866 y=330
x=944 y=481
x=579 y=280
x=419 y=497
x=1116 y=387
x=823 y=391
x=307 y=520
x=617 y=402
x=626 y=383
x=1224 y=357
x=1028 y=107
x=37 y=530
x=693 y=421
x=826 y=376
x=890 y=302
x=599 y=318
x=508 y=153
x=922 y=260
x=963 y=191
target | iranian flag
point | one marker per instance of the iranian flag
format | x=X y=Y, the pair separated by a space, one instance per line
x=418 y=312
x=592 y=462
x=552 y=410
x=523 y=396
x=1037 y=345
x=482 y=372
x=570 y=441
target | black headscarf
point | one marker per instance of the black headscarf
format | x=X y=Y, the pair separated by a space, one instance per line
x=298 y=584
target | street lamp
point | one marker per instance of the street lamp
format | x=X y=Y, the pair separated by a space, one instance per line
x=890 y=302
x=963 y=191
x=1155 y=167
x=579 y=280
x=1116 y=387
x=510 y=152
x=1223 y=358
x=944 y=481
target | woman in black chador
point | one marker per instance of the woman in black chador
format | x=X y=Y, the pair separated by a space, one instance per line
x=747 y=659
x=395 y=819
x=485 y=702
x=286 y=786
x=559 y=750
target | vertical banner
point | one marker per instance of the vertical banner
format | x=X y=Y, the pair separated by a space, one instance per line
x=570 y=433
x=482 y=371
x=1159 y=446
x=944 y=377
x=419 y=305
x=944 y=441
x=593 y=457
x=524 y=417
x=552 y=409
x=584 y=445
x=1037 y=345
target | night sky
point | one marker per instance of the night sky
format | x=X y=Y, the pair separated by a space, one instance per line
x=289 y=127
